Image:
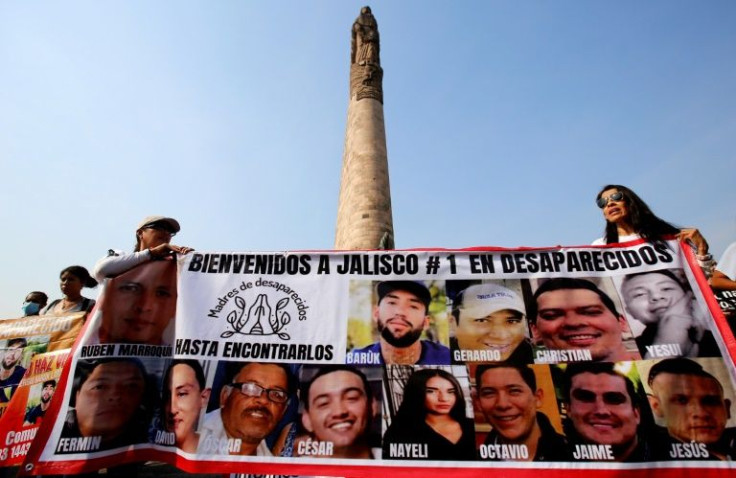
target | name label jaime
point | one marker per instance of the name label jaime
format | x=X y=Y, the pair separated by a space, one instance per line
x=593 y=452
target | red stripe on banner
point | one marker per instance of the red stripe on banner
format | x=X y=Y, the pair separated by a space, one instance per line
x=710 y=299
x=42 y=436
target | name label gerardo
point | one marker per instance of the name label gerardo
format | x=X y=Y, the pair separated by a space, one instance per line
x=364 y=358
x=408 y=450
x=477 y=355
x=504 y=452
x=164 y=438
x=70 y=445
x=555 y=356
x=664 y=350
x=593 y=452
x=689 y=450
x=315 y=448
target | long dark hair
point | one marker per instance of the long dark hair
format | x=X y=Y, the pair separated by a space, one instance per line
x=413 y=411
x=644 y=222
x=82 y=274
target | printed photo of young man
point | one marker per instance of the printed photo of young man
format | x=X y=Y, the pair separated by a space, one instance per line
x=672 y=322
x=692 y=400
x=34 y=416
x=575 y=320
x=11 y=370
x=401 y=321
x=139 y=305
x=340 y=413
x=511 y=398
x=607 y=418
x=489 y=323
x=111 y=405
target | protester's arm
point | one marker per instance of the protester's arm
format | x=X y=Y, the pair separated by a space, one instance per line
x=694 y=237
x=679 y=326
x=721 y=281
x=117 y=263
x=705 y=260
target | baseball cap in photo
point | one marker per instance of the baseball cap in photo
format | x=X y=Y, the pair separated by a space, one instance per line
x=481 y=300
x=170 y=221
x=418 y=288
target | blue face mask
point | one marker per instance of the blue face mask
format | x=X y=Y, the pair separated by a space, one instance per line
x=30 y=308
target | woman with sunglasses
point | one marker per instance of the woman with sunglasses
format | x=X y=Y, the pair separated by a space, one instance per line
x=152 y=241
x=629 y=218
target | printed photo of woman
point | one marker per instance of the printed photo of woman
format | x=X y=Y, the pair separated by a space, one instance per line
x=433 y=416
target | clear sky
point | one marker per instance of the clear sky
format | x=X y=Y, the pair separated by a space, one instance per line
x=503 y=118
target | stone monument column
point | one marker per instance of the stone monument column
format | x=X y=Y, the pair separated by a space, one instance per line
x=364 y=219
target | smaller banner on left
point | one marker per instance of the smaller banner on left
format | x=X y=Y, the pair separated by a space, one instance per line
x=33 y=352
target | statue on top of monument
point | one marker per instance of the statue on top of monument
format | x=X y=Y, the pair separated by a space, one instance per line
x=366 y=74
x=365 y=46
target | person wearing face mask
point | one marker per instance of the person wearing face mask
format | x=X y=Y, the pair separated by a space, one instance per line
x=153 y=242
x=628 y=218
x=73 y=280
x=34 y=302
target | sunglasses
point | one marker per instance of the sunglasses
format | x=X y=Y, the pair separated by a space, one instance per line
x=160 y=227
x=601 y=201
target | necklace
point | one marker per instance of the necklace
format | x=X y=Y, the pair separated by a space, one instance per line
x=67 y=304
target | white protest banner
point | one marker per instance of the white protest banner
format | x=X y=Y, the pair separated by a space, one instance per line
x=441 y=362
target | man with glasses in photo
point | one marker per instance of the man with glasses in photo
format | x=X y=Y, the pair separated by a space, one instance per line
x=252 y=402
